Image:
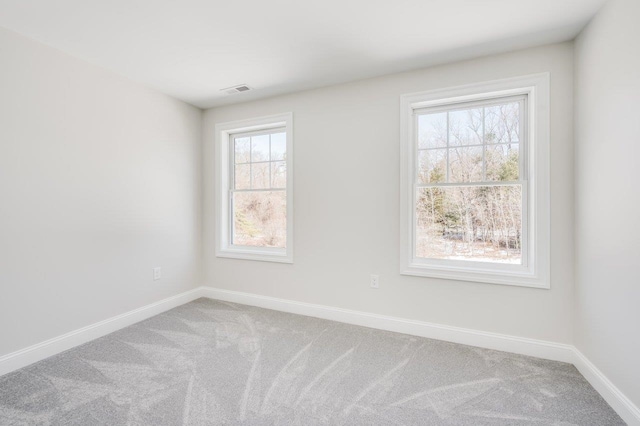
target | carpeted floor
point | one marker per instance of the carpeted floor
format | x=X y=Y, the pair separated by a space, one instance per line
x=212 y=363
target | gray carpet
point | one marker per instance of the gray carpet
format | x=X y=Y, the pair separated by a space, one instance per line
x=212 y=363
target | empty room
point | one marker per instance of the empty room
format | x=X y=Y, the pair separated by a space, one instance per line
x=319 y=213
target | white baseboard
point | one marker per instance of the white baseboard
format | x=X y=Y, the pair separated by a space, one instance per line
x=40 y=351
x=483 y=339
x=626 y=409
x=537 y=348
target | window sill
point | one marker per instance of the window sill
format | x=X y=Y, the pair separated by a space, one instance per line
x=478 y=276
x=257 y=255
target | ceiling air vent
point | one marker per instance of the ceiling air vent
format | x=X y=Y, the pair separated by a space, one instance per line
x=236 y=89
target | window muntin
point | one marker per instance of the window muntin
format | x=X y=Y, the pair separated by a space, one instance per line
x=258 y=185
x=469 y=182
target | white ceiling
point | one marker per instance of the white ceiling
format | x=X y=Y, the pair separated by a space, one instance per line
x=190 y=49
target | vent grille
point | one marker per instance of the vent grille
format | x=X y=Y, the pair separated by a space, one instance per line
x=236 y=89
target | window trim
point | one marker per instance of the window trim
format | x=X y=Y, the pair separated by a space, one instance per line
x=223 y=157
x=535 y=270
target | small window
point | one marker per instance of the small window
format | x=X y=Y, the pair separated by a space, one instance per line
x=476 y=184
x=255 y=189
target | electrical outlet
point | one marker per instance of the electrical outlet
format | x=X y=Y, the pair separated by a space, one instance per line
x=375 y=281
x=157 y=273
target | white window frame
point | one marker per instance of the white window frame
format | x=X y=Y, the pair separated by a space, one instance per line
x=223 y=157
x=535 y=268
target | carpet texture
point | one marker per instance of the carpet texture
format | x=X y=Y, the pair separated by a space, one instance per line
x=213 y=363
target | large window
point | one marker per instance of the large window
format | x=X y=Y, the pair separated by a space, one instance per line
x=475 y=187
x=469 y=181
x=255 y=186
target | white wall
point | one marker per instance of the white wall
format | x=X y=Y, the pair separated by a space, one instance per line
x=607 y=120
x=346 y=165
x=99 y=182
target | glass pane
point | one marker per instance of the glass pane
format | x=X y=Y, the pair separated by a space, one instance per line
x=260 y=175
x=465 y=127
x=260 y=148
x=278 y=146
x=479 y=223
x=502 y=123
x=503 y=162
x=279 y=174
x=242 y=176
x=432 y=130
x=465 y=164
x=260 y=219
x=242 y=149
x=432 y=165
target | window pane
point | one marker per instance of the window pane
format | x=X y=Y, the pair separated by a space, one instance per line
x=432 y=130
x=432 y=165
x=278 y=146
x=278 y=174
x=260 y=219
x=465 y=127
x=502 y=123
x=465 y=164
x=260 y=148
x=479 y=223
x=242 y=176
x=260 y=175
x=503 y=162
x=242 y=149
